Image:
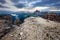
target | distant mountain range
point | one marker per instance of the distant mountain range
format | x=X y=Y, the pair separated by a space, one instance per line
x=24 y=15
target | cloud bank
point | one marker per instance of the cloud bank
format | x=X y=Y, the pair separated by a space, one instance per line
x=30 y=5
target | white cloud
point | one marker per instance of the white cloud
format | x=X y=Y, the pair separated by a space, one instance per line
x=33 y=9
x=55 y=10
x=26 y=9
x=29 y=6
x=9 y=4
x=14 y=15
x=31 y=3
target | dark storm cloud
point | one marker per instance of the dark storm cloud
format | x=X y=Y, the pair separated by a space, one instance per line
x=48 y=3
x=3 y=6
x=35 y=3
x=20 y=5
x=15 y=1
x=2 y=1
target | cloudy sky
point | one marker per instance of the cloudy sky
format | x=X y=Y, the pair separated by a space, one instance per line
x=30 y=5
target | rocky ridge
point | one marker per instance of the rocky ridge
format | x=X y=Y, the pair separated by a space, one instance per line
x=35 y=28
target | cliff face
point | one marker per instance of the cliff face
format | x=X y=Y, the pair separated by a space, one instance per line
x=5 y=27
x=52 y=17
x=35 y=28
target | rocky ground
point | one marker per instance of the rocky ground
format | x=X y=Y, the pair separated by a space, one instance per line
x=5 y=27
x=35 y=28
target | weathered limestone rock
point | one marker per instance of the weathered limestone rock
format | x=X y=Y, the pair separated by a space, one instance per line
x=35 y=28
x=5 y=27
